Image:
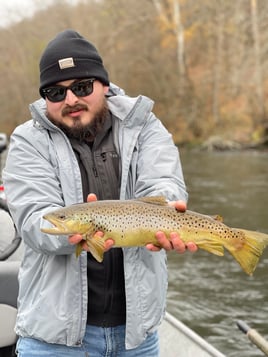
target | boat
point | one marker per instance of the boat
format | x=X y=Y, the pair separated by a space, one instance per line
x=178 y=340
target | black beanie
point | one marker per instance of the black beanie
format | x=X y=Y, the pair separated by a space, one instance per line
x=70 y=56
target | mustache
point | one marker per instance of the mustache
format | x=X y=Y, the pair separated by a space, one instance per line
x=67 y=110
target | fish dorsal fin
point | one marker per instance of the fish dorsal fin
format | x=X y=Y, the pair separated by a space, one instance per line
x=154 y=200
x=217 y=217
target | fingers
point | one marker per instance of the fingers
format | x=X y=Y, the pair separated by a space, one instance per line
x=108 y=244
x=163 y=241
x=178 y=245
x=173 y=243
x=153 y=248
x=179 y=205
x=91 y=197
x=192 y=247
x=75 y=239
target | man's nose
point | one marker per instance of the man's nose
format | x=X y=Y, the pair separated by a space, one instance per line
x=70 y=98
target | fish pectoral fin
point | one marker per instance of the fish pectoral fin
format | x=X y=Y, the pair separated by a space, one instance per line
x=79 y=248
x=211 y=247
x=96 y=246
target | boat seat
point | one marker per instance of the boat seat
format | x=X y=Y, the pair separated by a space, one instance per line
x=8 y=336
x=9 y=287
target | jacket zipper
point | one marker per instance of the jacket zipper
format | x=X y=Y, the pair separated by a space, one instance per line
x=95 y=171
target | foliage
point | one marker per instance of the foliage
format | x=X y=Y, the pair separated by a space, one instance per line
x=202 y=62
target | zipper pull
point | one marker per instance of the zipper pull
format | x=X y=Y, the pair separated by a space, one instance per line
x=103 y=156
x=95 y=172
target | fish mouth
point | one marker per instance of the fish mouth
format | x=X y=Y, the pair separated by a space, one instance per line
x=59 y=227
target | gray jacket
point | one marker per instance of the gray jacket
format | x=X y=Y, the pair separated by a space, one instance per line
x=41 y=174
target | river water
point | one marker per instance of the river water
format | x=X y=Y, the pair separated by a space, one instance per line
x=210 y=293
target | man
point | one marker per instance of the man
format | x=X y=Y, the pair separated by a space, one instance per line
x=86 y=136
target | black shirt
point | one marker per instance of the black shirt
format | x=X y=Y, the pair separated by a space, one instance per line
x=99 y=166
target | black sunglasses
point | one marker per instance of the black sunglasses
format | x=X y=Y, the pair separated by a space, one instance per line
x=58 y=93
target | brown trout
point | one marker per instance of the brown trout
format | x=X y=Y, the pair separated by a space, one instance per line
x=133 y=223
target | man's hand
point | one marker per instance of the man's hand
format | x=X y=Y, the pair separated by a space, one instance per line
x=174 y=243
x=77 y=238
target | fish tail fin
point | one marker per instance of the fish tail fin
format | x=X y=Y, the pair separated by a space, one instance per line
x=249 y=254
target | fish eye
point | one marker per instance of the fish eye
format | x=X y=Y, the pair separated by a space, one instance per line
x=62 y=216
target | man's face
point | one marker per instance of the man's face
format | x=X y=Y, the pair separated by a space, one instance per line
x=75 y=114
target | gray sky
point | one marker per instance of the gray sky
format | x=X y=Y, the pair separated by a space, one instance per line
x=14 y=10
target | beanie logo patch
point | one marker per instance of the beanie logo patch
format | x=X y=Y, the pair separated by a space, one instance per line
x=66 y=63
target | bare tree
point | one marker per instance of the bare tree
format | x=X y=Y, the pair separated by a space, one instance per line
x=170 y=13
x=258 y=65
x=218 y=61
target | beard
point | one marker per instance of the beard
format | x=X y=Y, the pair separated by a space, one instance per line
x=79 y=131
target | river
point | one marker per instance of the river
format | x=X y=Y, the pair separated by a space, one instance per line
x=210 y=293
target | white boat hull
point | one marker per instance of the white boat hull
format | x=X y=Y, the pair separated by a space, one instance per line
x=178 y=340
